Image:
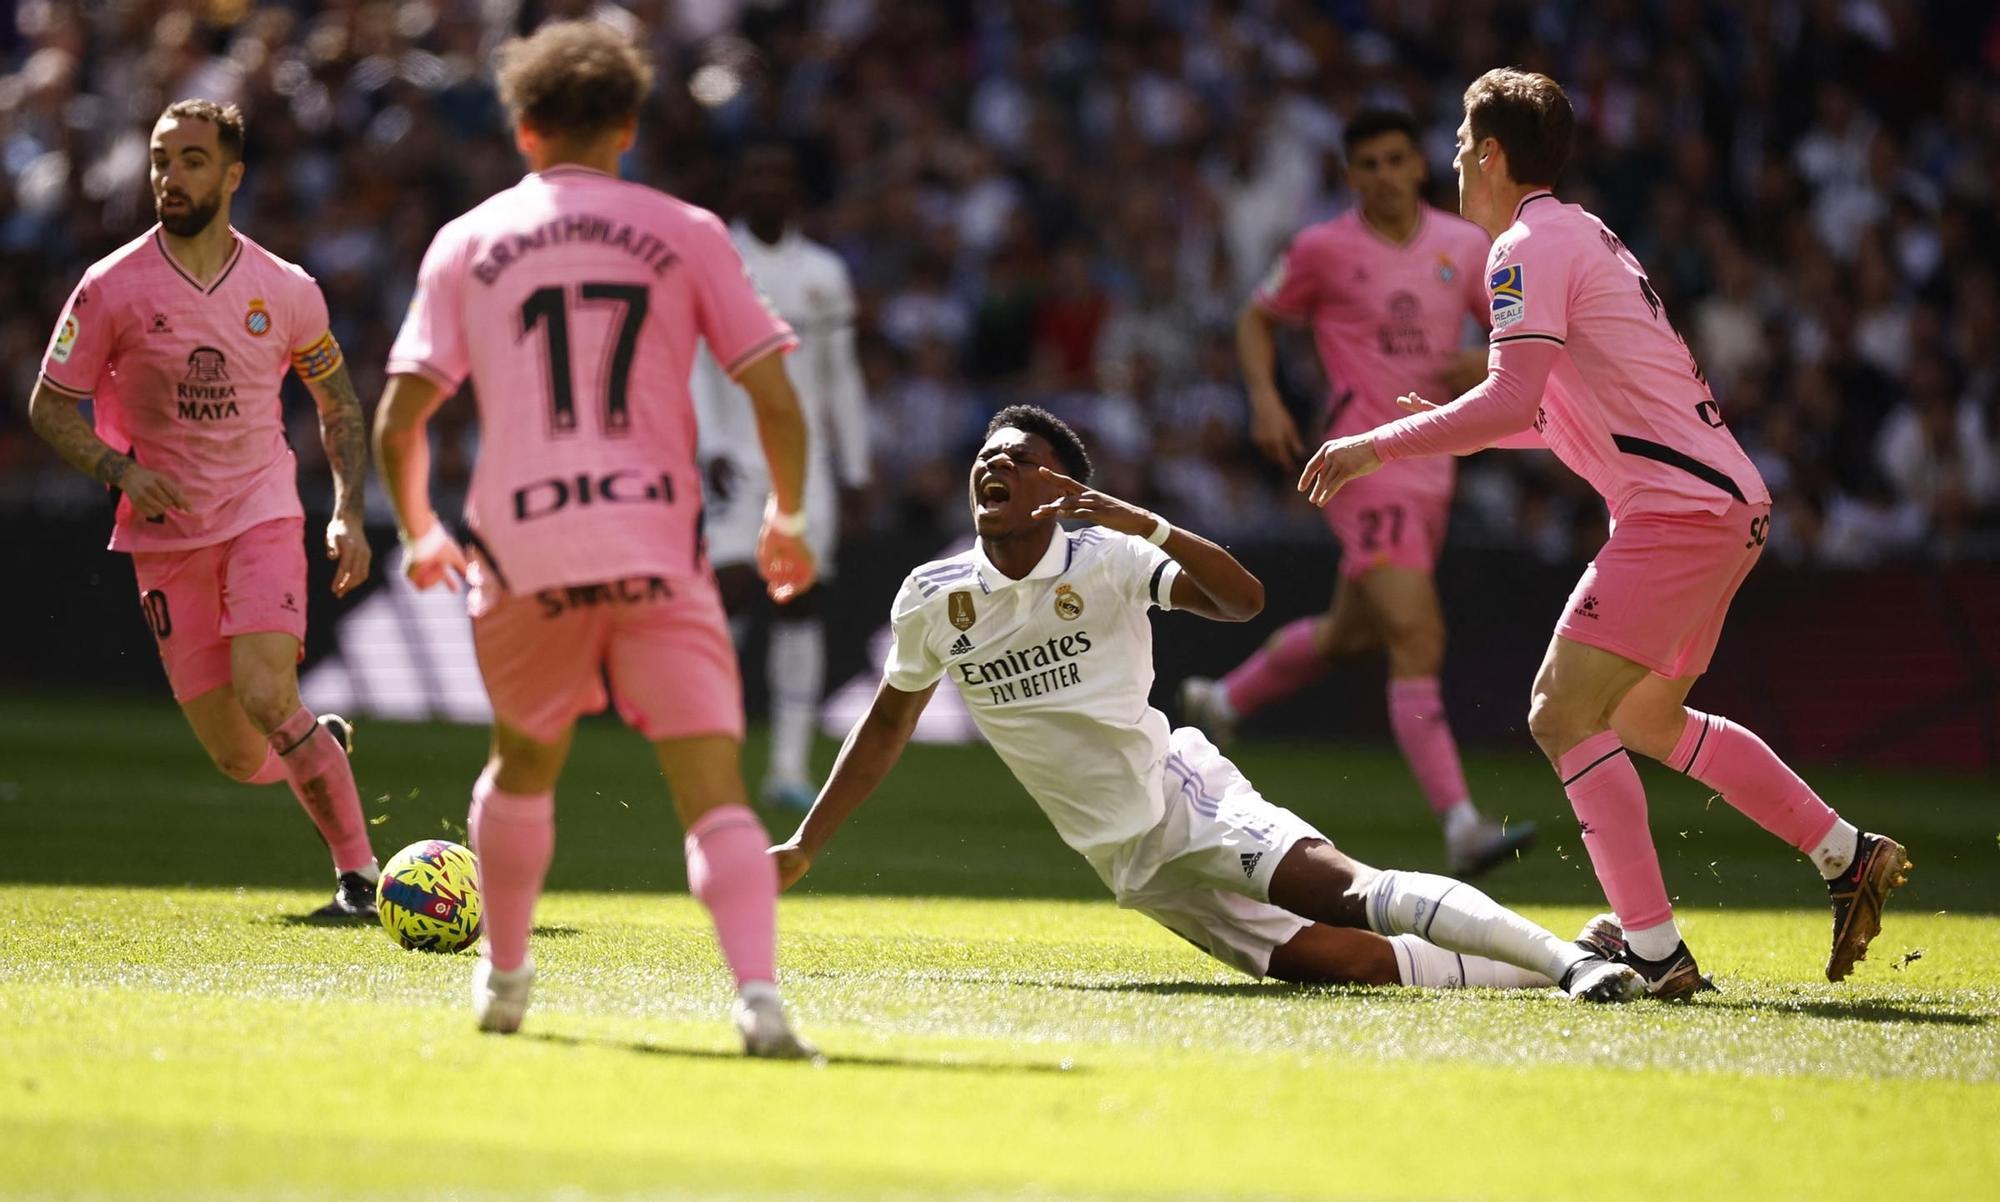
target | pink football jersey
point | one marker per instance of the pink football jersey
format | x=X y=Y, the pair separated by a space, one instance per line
x=574 y=301
x=1385 y=318
x=186 y=378
x=1626 y=407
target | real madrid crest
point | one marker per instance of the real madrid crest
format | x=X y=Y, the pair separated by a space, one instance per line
x=958 y=607
x=258 y=319
x=1069 y=604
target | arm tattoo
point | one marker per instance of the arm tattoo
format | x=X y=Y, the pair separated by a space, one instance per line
x=56 y=419
x=344 y=432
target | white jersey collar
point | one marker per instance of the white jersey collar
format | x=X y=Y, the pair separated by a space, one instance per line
x=1054 y=562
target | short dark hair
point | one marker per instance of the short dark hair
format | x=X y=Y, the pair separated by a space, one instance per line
x=1033 y=419
x=1529 y=115
x=226 y=118
x=1373 y=123
x=573 y=79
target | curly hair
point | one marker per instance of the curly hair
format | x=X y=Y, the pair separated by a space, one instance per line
x=573 y=79
x=1033 y=419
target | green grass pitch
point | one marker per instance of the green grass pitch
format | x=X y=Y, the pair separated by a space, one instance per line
x=997 y=1028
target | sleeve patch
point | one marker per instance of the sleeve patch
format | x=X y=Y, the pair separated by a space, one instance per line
x=319 y=360
x=65 y=339
x=1510 y=296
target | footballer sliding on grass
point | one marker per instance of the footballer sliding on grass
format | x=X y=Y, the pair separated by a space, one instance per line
x=1045 y=634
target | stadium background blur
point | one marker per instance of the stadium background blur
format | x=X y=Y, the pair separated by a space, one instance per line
x=1066 y=204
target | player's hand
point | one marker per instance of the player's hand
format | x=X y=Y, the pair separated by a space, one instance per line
x=785 y=563
x=1075 y=500
x=1273 y=432
x=151 y=493
x=1335 y=464
x=347 y=542
x=433 y=558
x=792 y=861
x=1410 y=402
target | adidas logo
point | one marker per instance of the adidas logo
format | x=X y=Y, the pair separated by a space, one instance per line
x=962 y=647
x=1250 y=860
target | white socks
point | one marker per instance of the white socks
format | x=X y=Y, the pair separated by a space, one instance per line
x=1654 y=942
x=796 y=671
x=1461 y=820
x=1835 y=853
x=1454 y=915
x=1428 y=966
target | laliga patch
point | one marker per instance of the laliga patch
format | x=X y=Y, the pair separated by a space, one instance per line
x=258 y=319
x=1069 y=605
x=1510 y=298
x=65 y=339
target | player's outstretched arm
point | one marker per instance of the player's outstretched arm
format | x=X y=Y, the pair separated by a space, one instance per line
x=871 y=749
x=54 y=415
x=1211 y=583
x=402 y=446
x=344 y=432
x=783 y=558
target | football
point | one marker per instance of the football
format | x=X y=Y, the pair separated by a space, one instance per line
x=429 y=897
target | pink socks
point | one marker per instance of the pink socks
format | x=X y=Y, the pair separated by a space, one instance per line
x=311 y=759
x=1750 y=776
x=1416 y=714
x=730 y=873
x=514 y=835
x=1281 y=667
x=1610 y=805
x=270 y=772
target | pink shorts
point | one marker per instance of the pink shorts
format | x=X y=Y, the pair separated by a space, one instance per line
x=1661 y=585
x=197 y=600
x=664 y=642
x=1386 y=523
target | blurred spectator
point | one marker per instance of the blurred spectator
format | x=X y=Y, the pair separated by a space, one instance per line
x=1054 y=201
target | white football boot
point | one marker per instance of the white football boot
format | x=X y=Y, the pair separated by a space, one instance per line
x=500 y=999
x=1204 y=704
x=760 y=1019
x=1595 y=979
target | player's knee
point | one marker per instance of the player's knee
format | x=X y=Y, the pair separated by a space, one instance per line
x=1552 y=723
x=268 y=700
x=1416 y=647
x=239 y=763
x=1650 y=732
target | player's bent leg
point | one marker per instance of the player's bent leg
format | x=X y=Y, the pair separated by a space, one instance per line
x=1860 y=869
x=731 y=875
x=1328 y=955
x=264 y=676
x=1577 y=690
x=1319 y=882
x=1299 y=653
x=239 y=750
x=513 y=834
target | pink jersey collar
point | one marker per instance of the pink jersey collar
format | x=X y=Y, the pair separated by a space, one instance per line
x=235 y=255
x=1416 y=234
x=1529 y=199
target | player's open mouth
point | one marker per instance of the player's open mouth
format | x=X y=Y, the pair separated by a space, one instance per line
x=993 y=492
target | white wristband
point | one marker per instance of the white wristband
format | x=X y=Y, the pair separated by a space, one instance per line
x=429 y=543
x=1161 y=529
x=791 y=525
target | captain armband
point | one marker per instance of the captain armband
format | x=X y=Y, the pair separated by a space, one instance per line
x=319 y=360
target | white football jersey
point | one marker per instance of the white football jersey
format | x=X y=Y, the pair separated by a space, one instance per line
x=1056 y=669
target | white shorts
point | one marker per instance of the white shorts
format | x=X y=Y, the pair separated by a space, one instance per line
x=731 y=525
x=1204 y=872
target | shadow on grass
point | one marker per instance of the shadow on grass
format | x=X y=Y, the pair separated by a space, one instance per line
x=1860 y=1011
x=647 y=1048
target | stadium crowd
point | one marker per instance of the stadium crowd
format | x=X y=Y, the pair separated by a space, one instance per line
x=1065 y=203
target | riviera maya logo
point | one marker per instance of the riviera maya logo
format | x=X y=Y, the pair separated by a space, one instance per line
x=1069 y=603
